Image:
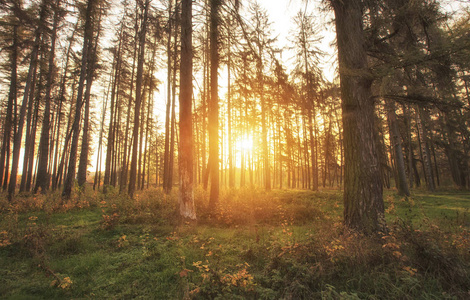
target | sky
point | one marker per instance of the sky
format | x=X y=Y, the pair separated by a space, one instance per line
x=281 y=14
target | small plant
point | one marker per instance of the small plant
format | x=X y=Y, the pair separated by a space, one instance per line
x=221 y=283
x=109 y=221
x=123 y=242
x=4 y=239
x=63 y=283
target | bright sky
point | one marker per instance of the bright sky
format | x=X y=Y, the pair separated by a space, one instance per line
x=281 y=15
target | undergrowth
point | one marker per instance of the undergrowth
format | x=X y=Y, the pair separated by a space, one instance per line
x=255 y=245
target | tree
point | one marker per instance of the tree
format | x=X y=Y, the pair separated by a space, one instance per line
x=91 y=65
x=363 y=193
x=307 y=60
x=26 y=96
x=8 y=121
x=138 y=99
x=187 y=209
x=43 y=175
x=402 y=183
x=213 y=115
x=87 y=40
x=166 y=161
x=261 y=41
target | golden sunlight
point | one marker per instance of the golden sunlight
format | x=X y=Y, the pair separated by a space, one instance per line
x=245 y=144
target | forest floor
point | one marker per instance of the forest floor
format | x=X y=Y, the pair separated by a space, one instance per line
x=286 y=244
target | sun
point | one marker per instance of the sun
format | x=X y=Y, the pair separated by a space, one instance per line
x=244 y=149
x=245 y=144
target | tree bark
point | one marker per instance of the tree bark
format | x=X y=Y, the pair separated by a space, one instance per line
x=110 y=151
x=87 y=39
x=12 y=94
x=138 y=100
x=186 y=147
x=19 y=132
x=92 y=57
x=61 y=99
x=171 y=162
x=213 y=116
x=166 y=155
x=125 y=160
x=363 y=194
x=43 y=175
x=231 y=173
x=423 y=132
x=395 y=139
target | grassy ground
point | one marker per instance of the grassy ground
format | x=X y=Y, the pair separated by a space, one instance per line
x=282 y=244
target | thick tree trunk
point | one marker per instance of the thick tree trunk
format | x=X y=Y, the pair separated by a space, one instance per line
x=186 y=147
x=363 y=194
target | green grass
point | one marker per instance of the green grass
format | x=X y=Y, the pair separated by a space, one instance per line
x=278 y=245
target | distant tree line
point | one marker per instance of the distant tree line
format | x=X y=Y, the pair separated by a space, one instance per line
x=78 y=80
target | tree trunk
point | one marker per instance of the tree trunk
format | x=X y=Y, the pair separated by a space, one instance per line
x=30 y=137
x=141 y=135
x=231 y=173
x=42 y=175
x=264 y=128
x=97 y=179
x=166 y=159
x=171 y=162
x=213 y=117
x=19 y=132
x=92 y=57
x=186 y=147
x=7 y=127
x=110 y=151
x=125 y=160
x=87 y=39
x=402 y=183
x=57 y=180
x=363 y=194
x=410 y=153
x=83 y=162
x=138 y=100
x=61 y=99
x=425 y=150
